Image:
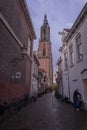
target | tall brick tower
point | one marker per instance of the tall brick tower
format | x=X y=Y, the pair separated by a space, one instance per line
x=44 y=50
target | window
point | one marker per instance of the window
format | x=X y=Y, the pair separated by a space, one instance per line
x=79 y=47
x=65 y=61
x=44 y=31
x=29 y=46
x=71 y=55
x=44 y=52
x=44 y=34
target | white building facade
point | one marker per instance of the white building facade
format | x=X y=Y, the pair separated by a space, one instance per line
x=35 y=71
x=59 y=76
x=74 y=57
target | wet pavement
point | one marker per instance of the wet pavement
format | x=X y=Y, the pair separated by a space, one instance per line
x=47 y=113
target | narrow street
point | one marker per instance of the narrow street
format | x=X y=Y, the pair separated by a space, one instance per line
x=47 y=113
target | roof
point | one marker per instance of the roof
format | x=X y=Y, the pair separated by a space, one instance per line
x=78 y=21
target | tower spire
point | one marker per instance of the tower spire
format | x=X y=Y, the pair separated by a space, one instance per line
x=44 y=51
x=45 y=30
x=45 y=21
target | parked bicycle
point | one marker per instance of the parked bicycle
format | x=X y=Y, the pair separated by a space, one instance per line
x=80 y=104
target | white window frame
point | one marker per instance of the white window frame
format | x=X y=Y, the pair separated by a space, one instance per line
x=71 y=52
x=79 y=45
x=65 y=60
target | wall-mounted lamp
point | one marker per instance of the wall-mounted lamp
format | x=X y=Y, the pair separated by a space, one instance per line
x=17 y=59
x=16 y=76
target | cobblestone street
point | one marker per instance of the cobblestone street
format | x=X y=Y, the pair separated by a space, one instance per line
x=47 y=113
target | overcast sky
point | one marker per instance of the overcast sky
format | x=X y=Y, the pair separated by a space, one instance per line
x=60 y=14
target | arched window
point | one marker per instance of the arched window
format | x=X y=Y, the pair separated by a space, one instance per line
x=44 y=51
x=44 y=31
x=44 y=34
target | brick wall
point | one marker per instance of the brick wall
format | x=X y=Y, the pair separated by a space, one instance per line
x=12 y=11
x=11 y=88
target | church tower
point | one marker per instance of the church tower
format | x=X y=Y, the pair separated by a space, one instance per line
x=44 y=50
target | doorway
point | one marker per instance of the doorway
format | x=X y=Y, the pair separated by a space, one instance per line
x=85 y=89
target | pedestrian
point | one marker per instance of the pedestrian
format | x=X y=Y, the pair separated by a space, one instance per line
x=76 y=97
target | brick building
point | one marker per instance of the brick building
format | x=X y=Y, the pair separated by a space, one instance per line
x=44 y=50
x=16 y=44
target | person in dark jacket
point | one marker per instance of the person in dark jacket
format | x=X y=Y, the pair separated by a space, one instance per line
x=76 y=97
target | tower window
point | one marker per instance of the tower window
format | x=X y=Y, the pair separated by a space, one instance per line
x=44 y=34
x=44 y=31
x=44 y=38
x=44 y=52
